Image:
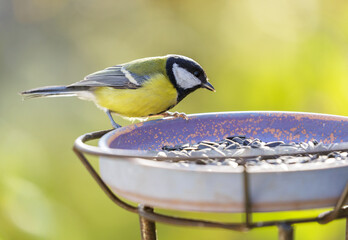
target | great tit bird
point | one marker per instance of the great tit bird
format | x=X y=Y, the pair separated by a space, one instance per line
x=140 y=88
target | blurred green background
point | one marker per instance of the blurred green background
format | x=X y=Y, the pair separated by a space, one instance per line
x=259 y=55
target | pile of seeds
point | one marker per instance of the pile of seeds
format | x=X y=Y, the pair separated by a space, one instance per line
x=227 y=149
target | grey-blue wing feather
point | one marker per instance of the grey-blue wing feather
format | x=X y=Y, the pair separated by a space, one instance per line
x=110 y=77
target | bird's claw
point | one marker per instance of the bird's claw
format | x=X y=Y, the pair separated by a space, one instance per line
x=180 y=115
x=176 y=115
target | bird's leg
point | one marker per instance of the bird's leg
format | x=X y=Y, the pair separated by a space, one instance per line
x=113 y=123
x=174 y=114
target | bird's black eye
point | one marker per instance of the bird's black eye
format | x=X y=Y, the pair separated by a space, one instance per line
x=197 y=73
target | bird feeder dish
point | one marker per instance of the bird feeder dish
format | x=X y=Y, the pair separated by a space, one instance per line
x=130 y=166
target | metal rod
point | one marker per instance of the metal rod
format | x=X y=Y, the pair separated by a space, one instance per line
x=329 y=216
x=247 y=201
x=347 y=228
x=157 y=217
x=102 y=184
x=147 y=227
x=346 y=238
x=286 y=231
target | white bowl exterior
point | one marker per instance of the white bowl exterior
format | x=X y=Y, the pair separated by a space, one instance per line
x=220 y=188
x=204 y=188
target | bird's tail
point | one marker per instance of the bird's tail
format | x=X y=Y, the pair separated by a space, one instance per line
x=50 y=91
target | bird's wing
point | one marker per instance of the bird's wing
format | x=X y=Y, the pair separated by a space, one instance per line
x=115 y=77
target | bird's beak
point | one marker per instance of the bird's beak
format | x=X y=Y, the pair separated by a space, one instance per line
x=208 y=86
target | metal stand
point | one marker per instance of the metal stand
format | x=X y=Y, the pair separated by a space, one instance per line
x=286 y=231
x=347 y=228
x=148 y=217
x=148 y=228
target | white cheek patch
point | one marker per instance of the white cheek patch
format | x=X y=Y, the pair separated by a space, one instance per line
x=184 y=78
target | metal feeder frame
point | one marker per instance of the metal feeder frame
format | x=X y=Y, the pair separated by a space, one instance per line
x=148 y=217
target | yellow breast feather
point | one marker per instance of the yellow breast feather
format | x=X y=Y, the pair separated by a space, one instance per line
x=153 y=97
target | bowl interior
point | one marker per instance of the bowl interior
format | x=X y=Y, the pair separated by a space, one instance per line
x=267 y=126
